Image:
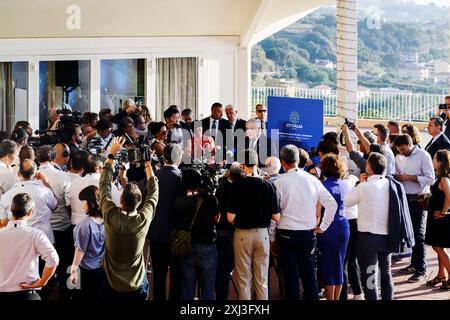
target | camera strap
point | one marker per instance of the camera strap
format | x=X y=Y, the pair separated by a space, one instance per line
x=107 y=145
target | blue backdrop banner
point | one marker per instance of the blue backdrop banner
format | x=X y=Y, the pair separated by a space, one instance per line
x=299 y=121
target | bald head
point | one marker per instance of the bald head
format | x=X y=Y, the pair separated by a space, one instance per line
x=62 y=154
x=27 y=169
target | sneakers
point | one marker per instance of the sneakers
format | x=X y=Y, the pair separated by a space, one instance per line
x=417 y=277
x=358 y=297
x=408 y=270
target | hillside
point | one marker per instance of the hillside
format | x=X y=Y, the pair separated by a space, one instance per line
x=405 y=30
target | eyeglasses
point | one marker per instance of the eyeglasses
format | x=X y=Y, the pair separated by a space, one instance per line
x=259 y=111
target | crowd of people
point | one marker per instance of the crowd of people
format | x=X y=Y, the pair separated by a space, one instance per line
x=92 y=216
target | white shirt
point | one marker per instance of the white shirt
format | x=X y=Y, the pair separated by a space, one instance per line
x=372 y=198
x=344 y=186
x=390 y=158
x=419 y=164
x=60 y=183
x=104 y=142
x=44 y=200
x=299 y=193
x=7 y=177
x=73 y=177
x=20 y=247
x=91 y=179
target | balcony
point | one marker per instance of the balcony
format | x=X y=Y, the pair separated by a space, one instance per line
x=372 y=105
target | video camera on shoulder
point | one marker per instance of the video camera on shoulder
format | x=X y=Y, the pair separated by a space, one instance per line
x=350 y=125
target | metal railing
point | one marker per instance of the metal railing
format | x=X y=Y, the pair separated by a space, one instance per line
x=378 y=105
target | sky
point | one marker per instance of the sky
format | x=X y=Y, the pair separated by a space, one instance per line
x=438 y=2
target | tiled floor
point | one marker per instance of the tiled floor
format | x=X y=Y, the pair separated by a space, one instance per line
x=418 y=291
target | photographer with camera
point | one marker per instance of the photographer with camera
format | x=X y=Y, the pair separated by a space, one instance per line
x=125 y=230
x=444 y=113
x=102 y=139
x=199 y=212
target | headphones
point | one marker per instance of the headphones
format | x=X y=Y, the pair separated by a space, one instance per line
x=65 y=153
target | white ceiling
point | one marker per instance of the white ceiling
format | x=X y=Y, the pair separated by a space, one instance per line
x=150 y=18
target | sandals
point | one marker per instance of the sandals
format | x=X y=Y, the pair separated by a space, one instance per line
x=436 y=280
x=445 y=285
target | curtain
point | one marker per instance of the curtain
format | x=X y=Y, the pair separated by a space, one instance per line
x=176 y=83
x=7 y=114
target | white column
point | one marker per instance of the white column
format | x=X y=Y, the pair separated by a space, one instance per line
x=33 y=93
x=150 y=87
x=95 y=98
x=243 y=77
x=347 y=60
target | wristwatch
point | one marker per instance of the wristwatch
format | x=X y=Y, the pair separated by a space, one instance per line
x=111 y=156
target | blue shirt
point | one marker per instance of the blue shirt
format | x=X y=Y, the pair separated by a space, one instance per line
x=89 y=237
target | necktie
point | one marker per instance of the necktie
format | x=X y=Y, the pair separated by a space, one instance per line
x=429 y=144
x=214 y=128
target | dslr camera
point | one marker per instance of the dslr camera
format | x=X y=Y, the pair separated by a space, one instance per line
x=350 y=125
x=443 y=106
x=138 y=154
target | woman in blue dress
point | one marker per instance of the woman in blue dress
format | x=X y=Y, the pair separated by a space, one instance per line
x=332 y=244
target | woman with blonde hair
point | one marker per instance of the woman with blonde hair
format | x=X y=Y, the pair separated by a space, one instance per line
x=438 y=221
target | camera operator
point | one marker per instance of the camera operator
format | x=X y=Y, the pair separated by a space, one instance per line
x=25 y=125
x=125 y=230
x=201 y=262
x=129 y=132
x=103 y=136
x=165 y=220
x=75 y=137
x=444 y=113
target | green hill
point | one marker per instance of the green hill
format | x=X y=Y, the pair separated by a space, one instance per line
x=292 y=52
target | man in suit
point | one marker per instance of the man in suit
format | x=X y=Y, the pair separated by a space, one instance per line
x=439 y=139
x=185 y=124
x=261 y=115
x=259 y=142
x=216 y=127
x=231 y=114
x=445 y=115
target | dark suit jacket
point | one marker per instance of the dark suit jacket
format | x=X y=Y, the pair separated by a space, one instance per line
x=240 y=124
x=441 y=143
x=166 y=219
x=264 y=148
x=401 y=233
x=223 y=126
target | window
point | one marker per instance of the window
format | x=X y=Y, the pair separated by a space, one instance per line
x=62 y=84
x=13 y=94
x=121 y=79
